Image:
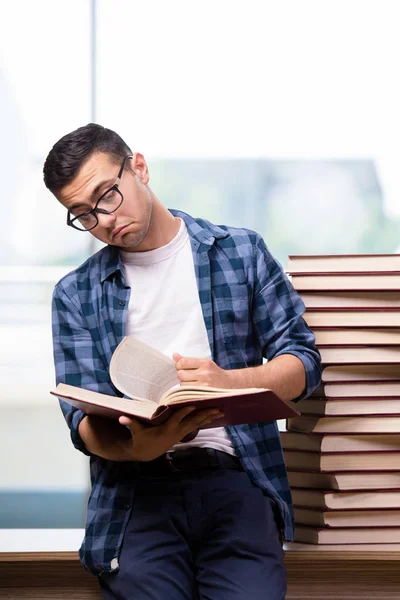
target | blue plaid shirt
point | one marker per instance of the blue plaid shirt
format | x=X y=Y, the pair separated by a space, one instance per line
x=250 y=311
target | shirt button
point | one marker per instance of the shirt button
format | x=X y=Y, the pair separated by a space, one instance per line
x=114 y=563
x=122 y=303
x=127 y=506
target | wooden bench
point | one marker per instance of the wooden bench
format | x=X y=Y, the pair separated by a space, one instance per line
x=323 y=572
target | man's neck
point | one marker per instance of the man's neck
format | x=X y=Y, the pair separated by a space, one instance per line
x=163 y=228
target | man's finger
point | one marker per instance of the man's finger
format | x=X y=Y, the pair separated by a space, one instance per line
x=190 y=424
x=133 y=424
x=186 y=362
x=202 y=415
x=189 y=436
x=181 y=414
x=187 y=377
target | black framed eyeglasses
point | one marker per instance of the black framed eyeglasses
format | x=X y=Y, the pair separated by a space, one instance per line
x=108 y=203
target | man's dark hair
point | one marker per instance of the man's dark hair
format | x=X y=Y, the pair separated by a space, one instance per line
x=71 y=151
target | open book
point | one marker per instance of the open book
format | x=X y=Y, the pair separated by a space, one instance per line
x=149 y=379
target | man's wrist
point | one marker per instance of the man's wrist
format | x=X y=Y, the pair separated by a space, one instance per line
x=248 y=377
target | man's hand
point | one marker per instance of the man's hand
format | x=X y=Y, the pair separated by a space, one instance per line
x=148 y=443
x=285 y=375
x=202 y=371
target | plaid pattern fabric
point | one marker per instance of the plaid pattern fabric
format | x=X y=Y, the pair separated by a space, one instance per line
x=250 y=311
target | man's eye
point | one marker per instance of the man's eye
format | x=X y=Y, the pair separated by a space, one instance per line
x=85 y=218
x=110 y=196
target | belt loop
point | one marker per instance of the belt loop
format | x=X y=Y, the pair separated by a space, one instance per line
x=212 y=456
x=169 y=456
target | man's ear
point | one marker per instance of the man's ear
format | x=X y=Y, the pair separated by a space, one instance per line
x=139 y=166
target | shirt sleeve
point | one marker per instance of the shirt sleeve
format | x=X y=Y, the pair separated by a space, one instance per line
x=277 y=317
x=77 y=361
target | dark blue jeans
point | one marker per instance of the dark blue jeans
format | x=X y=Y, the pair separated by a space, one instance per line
x=208 y=536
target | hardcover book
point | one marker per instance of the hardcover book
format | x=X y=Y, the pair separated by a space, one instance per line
x=347 y=535
x=342 y=461
x=361 y=424
x=361 y=389
x=357 y=500
x=352 y=318
x=347 y=518
x=342 y=300
x=342 y=263
x=361 y=373
x=149 y=379
x=372 y=336
x=342 y=407
x=360 y=354
x=349 y=281
x=318 y=442
x=354 y=481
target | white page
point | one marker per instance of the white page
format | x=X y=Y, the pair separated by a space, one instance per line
x=139 y=370
x=192 y=392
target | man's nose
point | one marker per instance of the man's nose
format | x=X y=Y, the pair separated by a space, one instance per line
x=106 y=219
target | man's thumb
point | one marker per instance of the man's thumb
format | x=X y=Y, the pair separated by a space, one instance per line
x=133 y=424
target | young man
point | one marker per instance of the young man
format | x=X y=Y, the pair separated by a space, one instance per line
x=168 y=519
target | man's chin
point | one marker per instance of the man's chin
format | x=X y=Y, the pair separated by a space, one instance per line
x=130 y=242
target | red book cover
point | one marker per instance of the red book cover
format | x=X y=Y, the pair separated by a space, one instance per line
x=255 y=406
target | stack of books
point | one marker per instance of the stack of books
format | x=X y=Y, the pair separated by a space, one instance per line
x=343 y=452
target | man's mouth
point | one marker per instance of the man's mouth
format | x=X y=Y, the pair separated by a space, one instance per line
x=118 y=230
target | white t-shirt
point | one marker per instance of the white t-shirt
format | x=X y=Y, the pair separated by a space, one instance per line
x=165 y=312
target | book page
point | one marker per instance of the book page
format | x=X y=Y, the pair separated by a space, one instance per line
x=140 y=371
x=195 y=392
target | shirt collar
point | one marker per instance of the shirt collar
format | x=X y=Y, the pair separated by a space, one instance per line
x=201 y=230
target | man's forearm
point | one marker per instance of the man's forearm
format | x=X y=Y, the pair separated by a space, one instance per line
x=285 y=375
x=106 y=438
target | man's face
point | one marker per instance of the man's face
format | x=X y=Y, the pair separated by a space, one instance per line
x=128 y=226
